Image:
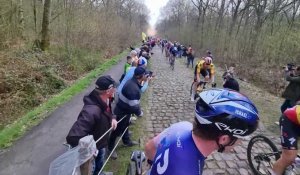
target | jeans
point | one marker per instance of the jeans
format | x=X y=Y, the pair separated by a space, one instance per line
x=99 y=161
x=190 y=60
x=119 y=131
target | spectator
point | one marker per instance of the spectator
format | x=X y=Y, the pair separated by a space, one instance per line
x=128 y=103
x=95 y=118
x=292 y=91
x=134 y=57
x=190 y=56
x=126 y=67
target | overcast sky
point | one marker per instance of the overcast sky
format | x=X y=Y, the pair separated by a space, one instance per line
x=154 y=7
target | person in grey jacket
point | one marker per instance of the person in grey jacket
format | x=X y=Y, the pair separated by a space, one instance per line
x=292 y=91
x=95 y=118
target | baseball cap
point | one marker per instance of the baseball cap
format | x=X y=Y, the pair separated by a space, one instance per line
x=140 y=71
x=105 y=82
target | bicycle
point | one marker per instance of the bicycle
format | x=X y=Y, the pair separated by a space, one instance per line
x=135 y=166
x=200 y=87
x=263 y=160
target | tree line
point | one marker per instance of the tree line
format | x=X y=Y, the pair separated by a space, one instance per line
x=93 y=24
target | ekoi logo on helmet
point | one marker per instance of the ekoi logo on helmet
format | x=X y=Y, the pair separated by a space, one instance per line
x=233 y=131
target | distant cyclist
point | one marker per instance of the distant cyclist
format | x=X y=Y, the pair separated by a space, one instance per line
x=205 y=68
x=222 y=117
x=290 y=132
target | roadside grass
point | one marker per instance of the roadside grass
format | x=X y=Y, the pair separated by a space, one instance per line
x=12 y=132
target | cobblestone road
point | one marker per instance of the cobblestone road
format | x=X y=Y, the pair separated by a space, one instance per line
x=169 y=102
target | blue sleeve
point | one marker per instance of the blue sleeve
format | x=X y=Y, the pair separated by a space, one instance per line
x=145 y=86
x=127 y=77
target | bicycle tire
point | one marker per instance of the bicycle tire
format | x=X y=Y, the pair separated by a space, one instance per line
x=259 y=140
x=191 y=89
x=131 y=169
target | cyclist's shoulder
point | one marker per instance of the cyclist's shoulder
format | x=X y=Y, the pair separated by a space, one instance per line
x=293 y=114
x=181 y=128
x=184 y=125
x=200 y=63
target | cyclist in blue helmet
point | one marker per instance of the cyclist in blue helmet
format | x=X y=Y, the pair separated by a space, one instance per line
x=222 y=117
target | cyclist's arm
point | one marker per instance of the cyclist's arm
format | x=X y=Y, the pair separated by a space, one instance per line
x=151 y=145
x=150 y=149
x=145 y=86
x=212 y=73
x=198 y=74
x=212 y=78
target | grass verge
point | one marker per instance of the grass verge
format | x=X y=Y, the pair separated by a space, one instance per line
x=12 y=132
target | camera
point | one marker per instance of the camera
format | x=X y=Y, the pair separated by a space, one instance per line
x=150 y=74
x=291 y=66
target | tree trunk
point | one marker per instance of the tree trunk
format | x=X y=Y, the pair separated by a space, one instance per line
x=21 y=19
x=45 y=42
x=34 y=16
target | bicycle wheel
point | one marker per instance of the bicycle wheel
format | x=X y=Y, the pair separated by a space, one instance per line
x=191 y=89
x=131 y=169
x=261 y=154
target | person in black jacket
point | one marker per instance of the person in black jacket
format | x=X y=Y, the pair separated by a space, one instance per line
x=95 y=118
x=230 y=82
x=128 y=103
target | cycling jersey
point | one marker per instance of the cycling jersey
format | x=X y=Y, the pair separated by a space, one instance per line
x=200 y=67
x=293 y=114
x=290 y=128
x=177 y=153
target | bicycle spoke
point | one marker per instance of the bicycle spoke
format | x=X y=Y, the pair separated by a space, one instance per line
x=262 y=155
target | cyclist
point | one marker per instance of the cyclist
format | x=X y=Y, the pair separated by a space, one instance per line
x=222 y=117
x=207 y=69
x=289 y=124
x=173 y=52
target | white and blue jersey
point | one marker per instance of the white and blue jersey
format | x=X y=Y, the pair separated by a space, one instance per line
x=177 y=153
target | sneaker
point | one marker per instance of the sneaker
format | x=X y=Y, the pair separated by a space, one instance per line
x=131 y=143
x=133 y=118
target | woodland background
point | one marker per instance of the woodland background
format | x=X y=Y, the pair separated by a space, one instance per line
x=258 y=37
x=45 y=45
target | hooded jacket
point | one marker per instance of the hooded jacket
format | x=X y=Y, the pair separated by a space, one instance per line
x=94 y=119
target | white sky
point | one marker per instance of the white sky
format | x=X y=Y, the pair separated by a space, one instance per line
x=154 y=7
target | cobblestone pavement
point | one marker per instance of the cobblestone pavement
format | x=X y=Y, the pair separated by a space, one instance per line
x=169 y=102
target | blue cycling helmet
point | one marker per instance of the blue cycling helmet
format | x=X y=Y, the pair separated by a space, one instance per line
x=229 y=112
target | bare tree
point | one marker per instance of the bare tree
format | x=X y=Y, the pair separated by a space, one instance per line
x=45 y=41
